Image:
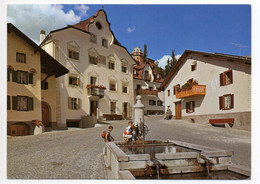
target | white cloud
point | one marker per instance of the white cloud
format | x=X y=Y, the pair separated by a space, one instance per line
x=31 y=19
x=130 y=29
x=163 y=60
x=82 y=9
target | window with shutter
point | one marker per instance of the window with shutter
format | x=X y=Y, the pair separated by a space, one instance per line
x=190 y=107
x=22 y=103
x=30 y=78
x=14 y=76
x=221 y=99
x=14 y=102
x=221 y=79
x=30 y=104
x=8 y=103
x=22 y=77
x=226 y=102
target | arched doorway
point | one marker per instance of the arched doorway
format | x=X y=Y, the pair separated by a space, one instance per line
x=46 y=112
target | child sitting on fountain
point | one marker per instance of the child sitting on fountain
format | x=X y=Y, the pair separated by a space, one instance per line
x=128 y=133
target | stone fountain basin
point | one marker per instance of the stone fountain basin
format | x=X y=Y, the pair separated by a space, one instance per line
x=187 y=158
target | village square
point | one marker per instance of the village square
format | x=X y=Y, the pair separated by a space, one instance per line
x=193 y=116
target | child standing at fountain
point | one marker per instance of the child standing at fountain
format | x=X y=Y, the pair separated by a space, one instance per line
x=108 y=137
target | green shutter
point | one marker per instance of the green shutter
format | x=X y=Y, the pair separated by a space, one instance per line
x=14 y=75
x=8 y=103
x=30 y=78
x=14 y=102
x=30 y=104
x=27 y=76
x=8 y=74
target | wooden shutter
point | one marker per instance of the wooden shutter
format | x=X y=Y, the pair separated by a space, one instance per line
x=27 y=76
x=14 y=102
x=187 y=107
x=69 y=103
x=221 y=79
x=8 y=103
x=232 y=101
x=174 y=90
x=30 y=78
x=79 y=103
x=14 y=76
x=8 y=74
x=221 y=102
x=231 y=77
x=30 y=103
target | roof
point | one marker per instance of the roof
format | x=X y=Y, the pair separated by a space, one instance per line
x=84 y=26
x=243 y=59
x=49 y=65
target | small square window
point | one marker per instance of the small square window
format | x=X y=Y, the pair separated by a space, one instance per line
x=93 y=80
x=193 y=67
x=124 y=69
x=73 y=54
x=93 y=38
x=93 y=60
x=152 y=102
x=22 y=77
x=104 y=42
x=111 y=65
x=190 y=106
x=124 y=89
x=21 y=58
x=112 y=86
x=22 y=103
x=112 y=107
x=73 y=81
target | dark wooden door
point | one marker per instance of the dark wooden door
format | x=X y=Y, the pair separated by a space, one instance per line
x=178 y=110
x=45 y=115
x=125 y=110
x=93 y=108
x=18 y=130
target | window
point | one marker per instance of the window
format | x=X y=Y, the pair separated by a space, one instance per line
x=21 y=58
x=226 y=102
x=112 y=107
x=193 y=67
x=74 y=103
x=124 y=89
x=150 y=88
x=104 y=42
x=22 y=103
x=168 y=92
x=93 y=38
x=8 y=103
x=112 y=86
x=93 y=60
x=99 y=26
x=44 y=85
x=93 y=80
x=226 y=78
x=9 y=71
x=73 y=54
x=102 y=60
x=190 y=107
x=159 y=103
x=111 y=65
x=73 y=81
x=175 y=88
x=152 y=102
x=22 y=77
x=124 y=69
x=138 y=86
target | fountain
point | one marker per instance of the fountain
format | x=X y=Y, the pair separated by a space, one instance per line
x=167 y=159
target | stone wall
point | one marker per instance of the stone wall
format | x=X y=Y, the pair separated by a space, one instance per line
x=242 y=119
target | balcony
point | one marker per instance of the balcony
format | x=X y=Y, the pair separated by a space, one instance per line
x=96 y=90
x=146 y=92
x=194 y=90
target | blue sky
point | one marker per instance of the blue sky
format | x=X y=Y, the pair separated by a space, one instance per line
x=209 y=28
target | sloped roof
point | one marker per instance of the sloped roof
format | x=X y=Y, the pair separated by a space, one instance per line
x=49 y=65
x=243 y=59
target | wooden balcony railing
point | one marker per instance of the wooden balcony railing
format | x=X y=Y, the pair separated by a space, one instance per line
x=146 y=92
x=96 y=91
x=191 y=91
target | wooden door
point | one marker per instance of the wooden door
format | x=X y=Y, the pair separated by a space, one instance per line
x=93 y=108
x=178 y=110
x=45 y=115
x=18 y=130
x=125 y=110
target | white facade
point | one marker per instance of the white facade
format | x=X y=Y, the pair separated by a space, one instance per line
x=207 y=72
x=58 y=45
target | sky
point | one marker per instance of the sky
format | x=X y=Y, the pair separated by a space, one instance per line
x=209 y=28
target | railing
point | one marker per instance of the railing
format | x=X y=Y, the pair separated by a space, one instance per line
x=146 y=92
x=96 y=91
x=191 y=91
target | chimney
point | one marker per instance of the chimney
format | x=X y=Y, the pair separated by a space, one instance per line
x=42 y=36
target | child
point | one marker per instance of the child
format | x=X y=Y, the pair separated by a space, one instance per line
x=108 y=136
x=128 y=133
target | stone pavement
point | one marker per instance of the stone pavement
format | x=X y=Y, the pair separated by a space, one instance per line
x=76 y=153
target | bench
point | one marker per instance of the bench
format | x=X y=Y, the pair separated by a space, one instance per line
x=112 y=117
x=222 y=122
